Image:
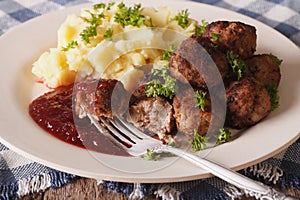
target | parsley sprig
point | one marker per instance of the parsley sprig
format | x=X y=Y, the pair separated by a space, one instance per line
x=71 y=45
x=130 y=15
x=108 y=34
x=167 y=53
x=274 y=97
x=276 y=59
x=200 y=100
x=199 y=30
x=182 y=18
x=238 y=66
x=156 y=87
x=215 y=36
x=199 y=142
x=224 y=136
x=103 y=6
x=150 y=155
x=91 y=30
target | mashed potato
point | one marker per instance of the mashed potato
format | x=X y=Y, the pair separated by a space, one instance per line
x=98 y=43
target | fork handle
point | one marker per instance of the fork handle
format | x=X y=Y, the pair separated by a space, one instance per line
x=249 y=186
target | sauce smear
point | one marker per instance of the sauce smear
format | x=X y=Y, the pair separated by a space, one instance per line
x=53 y=112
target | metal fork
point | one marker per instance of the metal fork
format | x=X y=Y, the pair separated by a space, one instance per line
x=136 y=143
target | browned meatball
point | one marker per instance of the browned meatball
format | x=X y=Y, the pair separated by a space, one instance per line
x=104 y=97
x=265 y=69
x=190 y=117
x=232 y=36
x=153 y=115
x=196 y=61
x=247 y=103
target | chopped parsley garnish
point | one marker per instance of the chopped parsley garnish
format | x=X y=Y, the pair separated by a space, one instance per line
x=95 y=19
x=156 y=87
x=99 y=6
x=224 y=136
x=130 y=15
x=182 y=18
x=215 y=36
x=201 y=28
x=150 y=155
x=274 y=97
x=108 y=34
x=167 y=53
x=237 y=66
x=91 y=31
x=71 y=45
x=200 y=100
x=103 y=6
x=88 y=32
x=199 y=141
x=276 y=59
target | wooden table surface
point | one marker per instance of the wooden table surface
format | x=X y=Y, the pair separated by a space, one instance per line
x=89 y=189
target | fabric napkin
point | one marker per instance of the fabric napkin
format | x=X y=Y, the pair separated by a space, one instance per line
x=20 y=176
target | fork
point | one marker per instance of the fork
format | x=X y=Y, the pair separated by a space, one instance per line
x=136 y=143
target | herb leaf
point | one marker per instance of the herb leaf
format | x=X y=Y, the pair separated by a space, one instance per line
x=276 y=59
x=99 y=6
x=108 y=34
x=71 y=44
x=91 y=31
x=238 y=66
x=199 y=141
x=183 y=18
x=103 y=6
x=150 y=155
x=201 y=28
x=215 y=36
x=130 y=15
x=167 y=53
x=274 y=97
x=200 y=99
x=88 y=32
x=156 y=88
x=224 y=136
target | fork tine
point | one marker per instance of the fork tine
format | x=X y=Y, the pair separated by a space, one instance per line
x=106 y=132
x=114 y=130
x=139 y=134
x=127 y=132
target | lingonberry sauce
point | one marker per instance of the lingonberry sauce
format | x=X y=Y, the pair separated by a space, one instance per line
x=53 y=112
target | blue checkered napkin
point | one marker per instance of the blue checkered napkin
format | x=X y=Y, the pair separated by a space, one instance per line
x=20 y=176
x=14 y=12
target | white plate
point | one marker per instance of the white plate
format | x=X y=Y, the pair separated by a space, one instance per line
x=21 y=46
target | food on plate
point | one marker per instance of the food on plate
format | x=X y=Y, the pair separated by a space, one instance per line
x=100 y=98
x=248 y=101
x=153 y=115
x=190 y=62
x=53 y=112
x=84 y=37
x=232 y=36
x=161 y=70
x=193 y=112
x=265 y=69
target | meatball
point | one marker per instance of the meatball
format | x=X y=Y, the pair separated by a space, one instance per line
x=232 y=36
x=190 y=117
x=248 y=102
x=153 y=115
x=100 y=98
x=197 y=62
x=265 y=69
